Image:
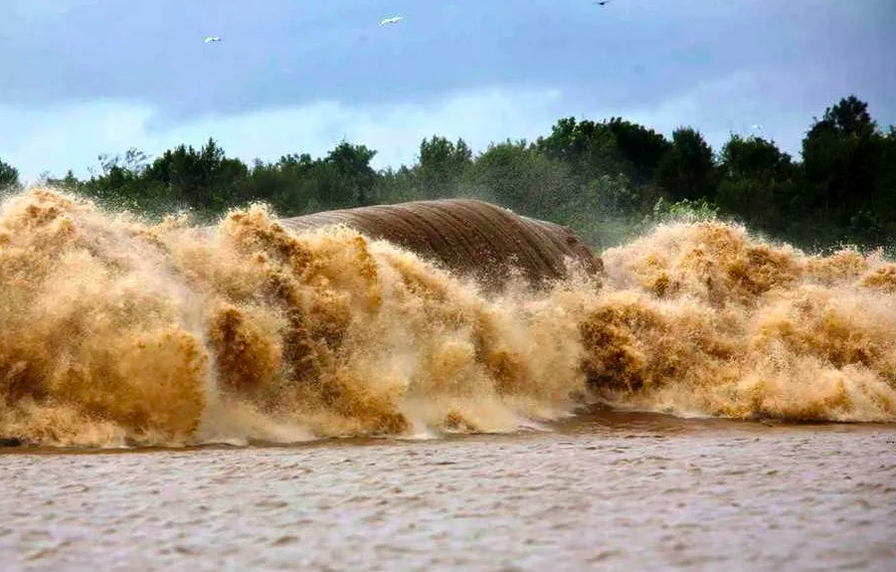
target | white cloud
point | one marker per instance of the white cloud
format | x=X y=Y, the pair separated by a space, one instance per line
x=55 y=139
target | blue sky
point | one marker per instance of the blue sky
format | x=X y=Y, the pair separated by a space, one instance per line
x=85 y=77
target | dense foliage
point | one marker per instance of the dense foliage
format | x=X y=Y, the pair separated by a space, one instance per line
x=606 y=179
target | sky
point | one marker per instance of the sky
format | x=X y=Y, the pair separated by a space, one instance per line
x=88 y=77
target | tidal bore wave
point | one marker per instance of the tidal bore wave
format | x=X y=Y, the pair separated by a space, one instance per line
x=114 y=332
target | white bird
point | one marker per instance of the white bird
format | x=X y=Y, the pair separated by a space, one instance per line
x=392 y=20
x=211 y=39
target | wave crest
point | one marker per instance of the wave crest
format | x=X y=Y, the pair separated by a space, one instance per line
x=118 y=332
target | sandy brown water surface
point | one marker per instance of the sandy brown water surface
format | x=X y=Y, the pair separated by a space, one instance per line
x=609 y=491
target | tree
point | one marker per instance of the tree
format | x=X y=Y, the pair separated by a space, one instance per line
x=885 y=177
x=608 y=149
x=840 y=153
x=117 y=183
x=441 y=165
x=848 y=118
x=642 y=147
x=204 y=179
x=881 y=207
x=589 y=148
x=397 y=185
x=350 y=178
x=757 y=181
x=291 y=185
x=686 y=169
x=69 y=182
x=601 y=178
x=517 y=176
x=134 y=161
x=9 y=177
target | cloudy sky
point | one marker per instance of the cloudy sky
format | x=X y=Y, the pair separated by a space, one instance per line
x=85 y=77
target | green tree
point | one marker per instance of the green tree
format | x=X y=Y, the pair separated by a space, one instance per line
x=348 y=178
x=642 y=147
x=290 y=185
x=203 y=179
x=398 y=185
x=885 y=177
x=877 y=215
x=757 y=181
x=114 y=184
x=839 y=156
x=69 y=182
x=686 y=169
x=589 y=148
x=516 y=175
x=605 y=179
x=9 y=177
x=610 y=148
x=442 y=164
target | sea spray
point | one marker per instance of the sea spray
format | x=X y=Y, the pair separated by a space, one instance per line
x=119 y=332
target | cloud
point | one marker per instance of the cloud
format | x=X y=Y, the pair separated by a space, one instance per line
x=734 y=104
x=72 y=136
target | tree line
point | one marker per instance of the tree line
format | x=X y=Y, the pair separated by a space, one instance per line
x=606 y=180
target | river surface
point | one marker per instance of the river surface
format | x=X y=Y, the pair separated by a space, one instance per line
x=604 y=490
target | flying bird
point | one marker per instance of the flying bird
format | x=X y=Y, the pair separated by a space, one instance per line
x=211 y=39
x=392 y=20
x=603 y=2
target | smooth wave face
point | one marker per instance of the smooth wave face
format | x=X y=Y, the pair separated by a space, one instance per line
x=469 y=238
x=116 y=332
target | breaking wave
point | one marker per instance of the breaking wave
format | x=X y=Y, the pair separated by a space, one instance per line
x=116 y=332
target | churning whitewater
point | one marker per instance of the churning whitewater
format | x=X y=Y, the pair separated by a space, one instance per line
x=116 y=332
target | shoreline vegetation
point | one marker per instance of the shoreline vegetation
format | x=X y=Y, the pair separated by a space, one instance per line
x=609 y=181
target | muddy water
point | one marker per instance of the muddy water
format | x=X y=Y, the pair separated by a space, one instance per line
x=608 y=491
x=116 y=332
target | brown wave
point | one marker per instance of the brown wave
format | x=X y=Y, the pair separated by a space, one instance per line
x=116 y=332
x=468 y=238
x=701 y=319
